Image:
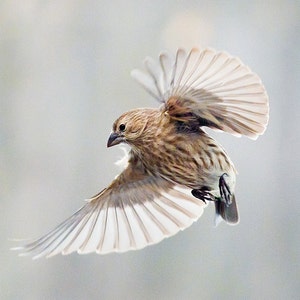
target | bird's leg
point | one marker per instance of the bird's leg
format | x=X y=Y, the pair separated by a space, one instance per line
x=224 y=190
x=203 y=194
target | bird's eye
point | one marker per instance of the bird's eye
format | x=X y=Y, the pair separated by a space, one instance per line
x=122 y=127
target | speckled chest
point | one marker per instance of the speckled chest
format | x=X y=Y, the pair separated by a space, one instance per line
x=188 y=157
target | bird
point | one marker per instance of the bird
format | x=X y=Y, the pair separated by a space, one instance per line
x=174 y=167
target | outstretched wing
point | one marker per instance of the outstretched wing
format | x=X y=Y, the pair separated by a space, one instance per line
x=213 y=88
x=136 y=210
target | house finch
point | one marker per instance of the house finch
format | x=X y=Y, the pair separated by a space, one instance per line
x=174 y=167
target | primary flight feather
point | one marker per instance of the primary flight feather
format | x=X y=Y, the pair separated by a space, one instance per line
x=174 y=167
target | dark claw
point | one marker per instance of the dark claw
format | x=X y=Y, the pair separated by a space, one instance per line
x=224 y=190
x=203 y=195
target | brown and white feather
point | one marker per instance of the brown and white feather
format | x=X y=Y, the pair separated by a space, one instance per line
x=216 y=87
x=136 y=210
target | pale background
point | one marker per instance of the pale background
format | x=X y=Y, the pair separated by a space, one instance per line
x=64 y=78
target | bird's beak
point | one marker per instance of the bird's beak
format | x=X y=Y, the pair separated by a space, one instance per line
x=114 y=139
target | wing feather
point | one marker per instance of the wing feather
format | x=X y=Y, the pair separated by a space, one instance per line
x=210 y=85
x=136 y=210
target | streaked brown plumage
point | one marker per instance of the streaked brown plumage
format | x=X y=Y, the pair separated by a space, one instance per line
x=174 y=166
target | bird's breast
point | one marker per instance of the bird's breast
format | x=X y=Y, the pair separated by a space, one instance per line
x=191 y=159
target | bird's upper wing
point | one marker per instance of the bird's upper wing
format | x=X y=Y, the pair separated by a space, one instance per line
x=212 y=87
x=136 y=210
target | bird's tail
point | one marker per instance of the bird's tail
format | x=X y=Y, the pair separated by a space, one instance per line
x=227 y=212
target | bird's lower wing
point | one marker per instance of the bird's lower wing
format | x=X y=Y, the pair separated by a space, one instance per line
x=214 y=87
x=137 y=210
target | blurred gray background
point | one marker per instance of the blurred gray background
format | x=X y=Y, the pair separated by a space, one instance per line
x=64 y=79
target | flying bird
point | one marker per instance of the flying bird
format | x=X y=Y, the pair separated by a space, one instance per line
x=174 y=167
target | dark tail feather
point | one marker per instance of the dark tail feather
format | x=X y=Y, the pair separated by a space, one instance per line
x=228 y=213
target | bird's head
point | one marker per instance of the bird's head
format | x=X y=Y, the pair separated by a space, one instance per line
x=129 y=127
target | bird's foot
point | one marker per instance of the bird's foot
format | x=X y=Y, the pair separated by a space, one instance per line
x=203 y=194
x=224 y=190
